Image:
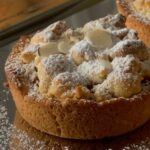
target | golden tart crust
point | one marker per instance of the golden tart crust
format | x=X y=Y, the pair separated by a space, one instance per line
x=73 y=118
x=134 y=18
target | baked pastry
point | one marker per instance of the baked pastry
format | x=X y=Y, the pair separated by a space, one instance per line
x=137 y=13
x=25 y=137
x=71 y=83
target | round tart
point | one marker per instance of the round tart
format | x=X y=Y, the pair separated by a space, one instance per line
x=137 y=13
x=85 y=83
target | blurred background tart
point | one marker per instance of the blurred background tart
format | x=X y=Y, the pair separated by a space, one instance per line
x=137 y=13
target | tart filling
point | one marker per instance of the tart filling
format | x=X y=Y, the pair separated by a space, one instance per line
x=99 y=61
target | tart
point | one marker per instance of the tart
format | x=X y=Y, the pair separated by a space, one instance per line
x=86 y=83
x=137 y=13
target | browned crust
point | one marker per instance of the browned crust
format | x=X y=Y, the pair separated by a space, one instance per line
x=135 y=20
x=78 y=119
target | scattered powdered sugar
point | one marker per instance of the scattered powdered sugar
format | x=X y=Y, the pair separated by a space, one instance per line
x=110 y=23
x=74 y=35
x=95 y=71
x=73 y=79
x=14 y=138
x=92 y=25
x=113 y=22
x=121 y=33
x=57 y=63
x=132 y=34
x=20 y=70
x=125 y=33
x=15 y=68
x=127 y=64
x=29 y=72
x=33 y=48
x=8 y=130
x=52 y=32
x=101 y=92
x=4 y=126
x=24 y=141
x=143 y=145
x=82 y=53
x=119 y=75
x=45 y=35
x=126 y=45
x=34 y=91
x=82 y=49
x=23 y=74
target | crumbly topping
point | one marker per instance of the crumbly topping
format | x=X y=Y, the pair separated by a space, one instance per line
x=128 y=63
x=52 y=32
x=95 y=71
x=68 y=84
x=96 y=24
x=72 y=79
x=29 y=52
x=125 y=33
x=120 y=75
x=110 y=22
x=24 y=72
x=74 y=35
x=33 y=48
x=132 y=34
x=127 y=44
x=123 y=84
x=121 y=33
x=102 y=93
x=102 y=52
x=82 y=51
x=130 y=46
x=57 y=63
x=113 y=22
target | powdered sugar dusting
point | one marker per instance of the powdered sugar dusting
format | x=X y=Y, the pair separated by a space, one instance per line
x=18 y=69
x=7 y=130
x=82 y=49
x=126 y=44
x=31 y=48
x=4 y=125
x=52 y=32
x=57 y=63
x=14 y=138
x=72 y=79
x=126 y=64
x=83 y=57
x=24 y=141
x=101 y=93
x=143 y=145
x=95 y=71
